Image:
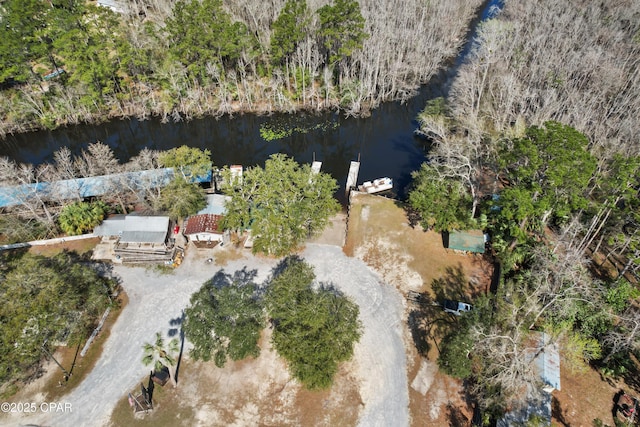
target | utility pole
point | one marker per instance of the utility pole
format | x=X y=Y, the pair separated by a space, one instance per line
x=44 y=348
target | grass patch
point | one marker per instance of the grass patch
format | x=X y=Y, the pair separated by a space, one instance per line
x=8 y=390
x=163 y=269
x=222 y=257
x=81 y=246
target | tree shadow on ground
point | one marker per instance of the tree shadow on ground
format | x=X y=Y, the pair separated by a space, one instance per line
x=427 y=322
x=456 y=417
x=631 y=375
x=75 y=358
x=624 y=366
x=616 y=401
x=452 y=285
x=413 y=217
x=330 y=287
x=558 y=413
x=11 y=255
x=178 y=321
x=239 y=278
x=419 y=331
x=284 y=264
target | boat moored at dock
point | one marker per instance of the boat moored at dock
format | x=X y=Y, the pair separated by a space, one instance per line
x=377 y=185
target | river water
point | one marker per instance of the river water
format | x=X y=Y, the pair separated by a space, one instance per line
x=384 y=142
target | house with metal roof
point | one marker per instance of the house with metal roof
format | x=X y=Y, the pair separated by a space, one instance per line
x=467 y=241
x=204 y=228
x=545 y=360
x=138 y=238
x=134 y=229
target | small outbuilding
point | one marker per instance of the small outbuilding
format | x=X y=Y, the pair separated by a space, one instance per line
x=204 y=228
x=467 y=241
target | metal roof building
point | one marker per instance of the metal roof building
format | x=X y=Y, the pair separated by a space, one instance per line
x=215 y=205
x=468 y=241
x=91 y=186
x=135 y=229
x=545 y=359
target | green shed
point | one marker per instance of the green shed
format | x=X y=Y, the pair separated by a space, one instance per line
x=468 y=241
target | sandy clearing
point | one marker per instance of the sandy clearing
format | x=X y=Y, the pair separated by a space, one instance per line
x=379 y=356
x=379 y=365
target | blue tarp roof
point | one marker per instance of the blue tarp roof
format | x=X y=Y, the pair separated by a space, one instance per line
x=89 y=187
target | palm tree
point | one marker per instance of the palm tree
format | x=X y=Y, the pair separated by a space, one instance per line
x=160 y=355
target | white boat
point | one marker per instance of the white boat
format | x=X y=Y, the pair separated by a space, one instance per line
x=377 y=185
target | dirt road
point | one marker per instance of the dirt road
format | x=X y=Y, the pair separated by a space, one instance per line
x=157 y=300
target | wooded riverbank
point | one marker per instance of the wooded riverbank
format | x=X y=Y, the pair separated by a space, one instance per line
x=188 y=59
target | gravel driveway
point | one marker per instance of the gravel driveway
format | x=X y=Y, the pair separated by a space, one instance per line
x=156 y=299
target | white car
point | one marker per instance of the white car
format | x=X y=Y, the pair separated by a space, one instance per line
x=456 y=307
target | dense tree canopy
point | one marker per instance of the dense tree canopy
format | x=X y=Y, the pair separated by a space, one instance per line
x=65 y=62
x=282 y=204
x=552 y=163
x=289 y=29
x=46 y=300
x=189 y=161
x=341 y=29
x=181 y=198
x=224 y=319
x=441 y=202
x=81 y=217
x=203 y=35
x=548 y=173
x=314 y=328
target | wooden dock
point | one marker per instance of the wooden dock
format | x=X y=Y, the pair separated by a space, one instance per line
x=352 y=177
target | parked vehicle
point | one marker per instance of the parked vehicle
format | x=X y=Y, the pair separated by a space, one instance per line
x=456 y=307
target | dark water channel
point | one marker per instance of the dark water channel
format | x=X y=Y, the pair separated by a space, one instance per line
x=384 y=142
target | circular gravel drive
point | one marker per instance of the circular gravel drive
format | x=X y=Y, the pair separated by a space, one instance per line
x=380 y=353
x=156 y=301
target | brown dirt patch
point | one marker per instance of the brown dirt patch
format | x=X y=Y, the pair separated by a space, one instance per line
x=408 y=258
x=411 y=259
x=584 y=397
x=80 y=246
x=249 y=392
x=223 y=256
